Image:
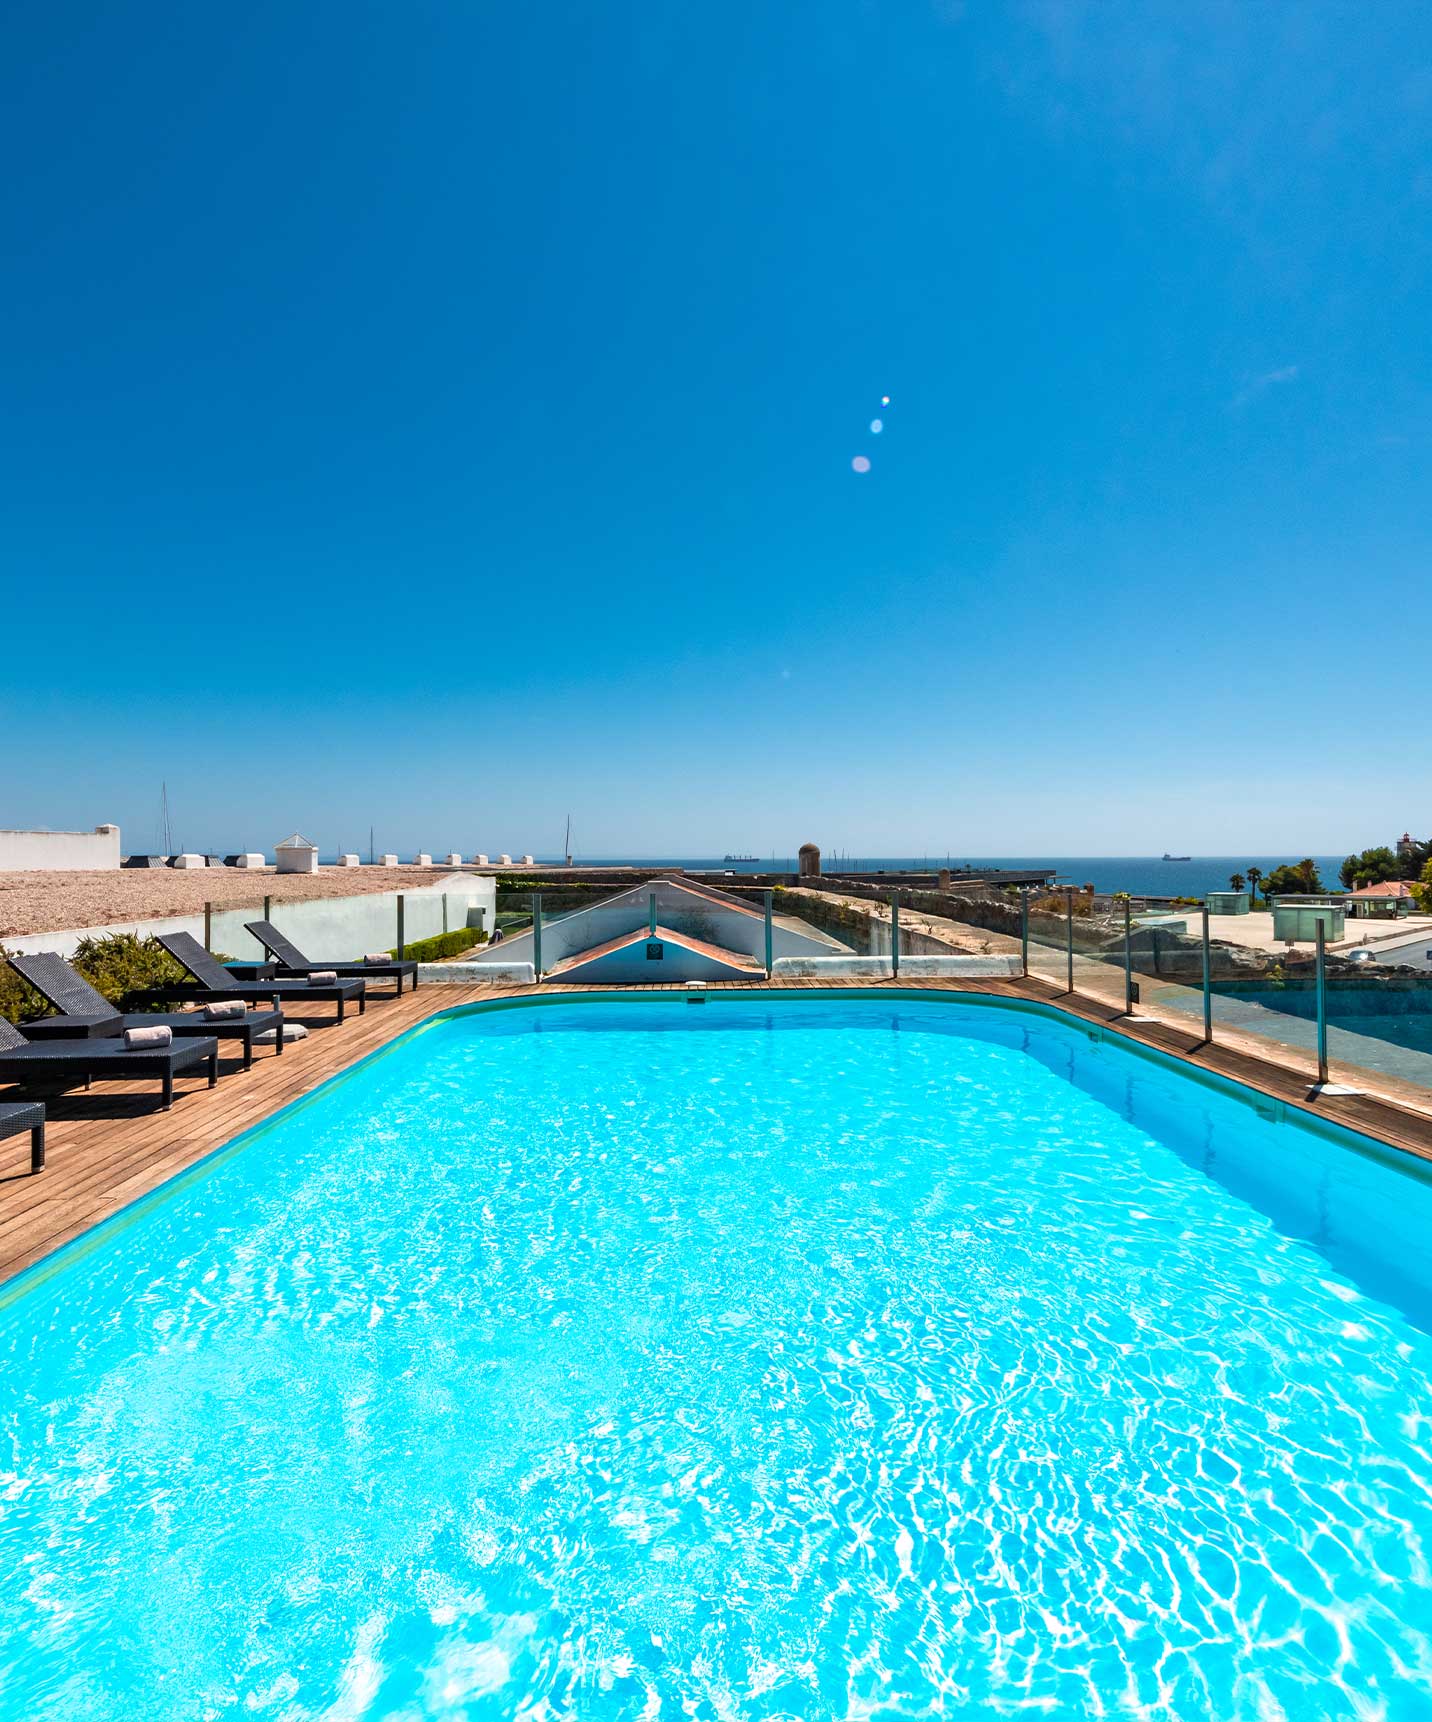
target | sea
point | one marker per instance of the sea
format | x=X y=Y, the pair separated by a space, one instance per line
x=1139 y=875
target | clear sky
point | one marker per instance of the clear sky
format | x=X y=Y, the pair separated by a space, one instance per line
x=442 y=415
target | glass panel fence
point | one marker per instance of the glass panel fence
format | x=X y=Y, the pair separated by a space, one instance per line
x=1376 y=1015
x=978 y=923
x=1047 y=917
x=577 y=920
x=1367 y=1024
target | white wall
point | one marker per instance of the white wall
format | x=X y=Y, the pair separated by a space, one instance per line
x=339 y=929
x=60 y=851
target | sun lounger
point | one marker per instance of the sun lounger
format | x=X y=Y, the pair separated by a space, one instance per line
x=27 y=1061
x=213 y=981
x=291 y=960
x=87 y=1012
x=18 y=1115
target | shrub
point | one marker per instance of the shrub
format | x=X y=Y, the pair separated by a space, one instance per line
x=123 y=963
x=1294 y=879
x=116 y=966
x=1056 y=903
x=444 y=945
x=18 y=999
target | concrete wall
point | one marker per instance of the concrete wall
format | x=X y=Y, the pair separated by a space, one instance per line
x=336 y=928
x=60 y=851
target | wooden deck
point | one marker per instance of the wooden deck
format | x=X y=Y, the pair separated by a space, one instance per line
x=113 y=1144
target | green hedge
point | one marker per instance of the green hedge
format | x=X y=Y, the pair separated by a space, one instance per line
x=116 y=966
x=444 y=945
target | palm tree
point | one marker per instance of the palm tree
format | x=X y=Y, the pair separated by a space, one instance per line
x=1255 y=874
x=1307 y=872
x=1236 y=881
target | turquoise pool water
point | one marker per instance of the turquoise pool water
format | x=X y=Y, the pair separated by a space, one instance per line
x=793 y=1358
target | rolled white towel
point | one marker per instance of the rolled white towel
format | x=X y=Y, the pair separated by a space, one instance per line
x=224 y=1010
x=376 y=957
x=322 y=977
x=148 y=1038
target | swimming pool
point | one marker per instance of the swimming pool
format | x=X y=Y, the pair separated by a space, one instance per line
x=774 y=1357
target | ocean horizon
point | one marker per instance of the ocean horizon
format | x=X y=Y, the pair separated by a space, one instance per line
x=1140 y=875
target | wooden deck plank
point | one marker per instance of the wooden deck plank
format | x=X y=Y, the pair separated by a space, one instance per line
x=113 y=1144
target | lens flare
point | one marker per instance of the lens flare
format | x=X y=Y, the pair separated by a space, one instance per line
x=885 y=400
x=876 y=426
x=860 y=464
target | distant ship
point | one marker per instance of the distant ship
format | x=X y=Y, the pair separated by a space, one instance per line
x=1168 y=857
x=738 y=858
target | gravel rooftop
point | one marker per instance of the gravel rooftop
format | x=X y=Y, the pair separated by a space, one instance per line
x=50 y=902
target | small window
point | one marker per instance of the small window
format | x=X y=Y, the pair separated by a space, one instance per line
x=655 y=951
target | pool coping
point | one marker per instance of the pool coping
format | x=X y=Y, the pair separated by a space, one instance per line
x=1269 y=1107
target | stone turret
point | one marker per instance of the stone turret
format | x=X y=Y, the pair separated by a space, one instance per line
x=808 y=861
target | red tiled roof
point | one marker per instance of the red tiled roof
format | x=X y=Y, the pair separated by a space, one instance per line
x=1385 y=888
x=732 y=959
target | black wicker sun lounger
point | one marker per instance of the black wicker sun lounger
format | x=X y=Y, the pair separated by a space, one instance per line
x=291 y=960
x=213 y=981
x=84 y=1011
x=27 y=1061
x=18 y=1115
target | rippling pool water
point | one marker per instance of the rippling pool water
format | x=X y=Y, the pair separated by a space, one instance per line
x=792 y=1358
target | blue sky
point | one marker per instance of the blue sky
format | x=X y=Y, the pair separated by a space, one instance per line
x=441 y=417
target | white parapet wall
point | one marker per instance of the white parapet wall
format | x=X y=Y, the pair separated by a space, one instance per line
x=953 y=967
x=337 y=929
x=94 y=851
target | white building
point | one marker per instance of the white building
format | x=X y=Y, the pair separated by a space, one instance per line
x=295 y=855
x=60 y=851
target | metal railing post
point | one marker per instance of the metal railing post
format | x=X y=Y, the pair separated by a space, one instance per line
x=402 y=941
x=1207 y=982
x=895 y=935
x=769 y=970
x=537 y=934
x=1322 y=1005
x=208 y=926
x=1024 y=933
x=268 y=908
x=1128 y=956
x=651 y=914
x=1069 y=910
